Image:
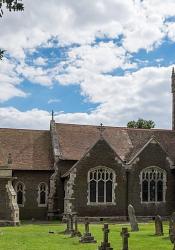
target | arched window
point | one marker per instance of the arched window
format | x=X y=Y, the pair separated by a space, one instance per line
x=20 y=192
x=153 y=184
x=42 y=194
x=101 y=183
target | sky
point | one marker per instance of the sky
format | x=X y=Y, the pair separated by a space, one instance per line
x=91 y=61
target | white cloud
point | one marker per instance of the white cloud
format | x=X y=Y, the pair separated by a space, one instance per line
x=145 y=93
x=54 y=100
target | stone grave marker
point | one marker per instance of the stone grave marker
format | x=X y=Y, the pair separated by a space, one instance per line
x=68 y=226
x=158 y=226
x=75 y=232
x=125 y=235
x=132 y=219
x=172 y=228
x=87 y=237
x=105 y=245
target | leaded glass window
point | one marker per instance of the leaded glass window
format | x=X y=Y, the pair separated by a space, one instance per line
x=42 y=192
x=101 y=185
x=20 y=193
x=153 y=184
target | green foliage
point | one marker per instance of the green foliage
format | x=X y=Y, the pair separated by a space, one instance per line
x=14 y=5
x=11 y=5
x=32 y=237
x=141 y=123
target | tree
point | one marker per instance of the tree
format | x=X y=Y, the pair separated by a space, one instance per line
x=11 y=5
x=141 y=123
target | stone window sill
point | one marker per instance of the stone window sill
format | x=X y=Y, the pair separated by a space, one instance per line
x=101 y=204
x=42 y=205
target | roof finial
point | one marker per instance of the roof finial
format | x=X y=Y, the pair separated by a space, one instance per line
x=101 y=128
x=52 y=115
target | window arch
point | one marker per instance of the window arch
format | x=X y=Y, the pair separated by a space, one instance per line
x=42 y=194
x=20 y=193
x=101 y=184
x=153 y=184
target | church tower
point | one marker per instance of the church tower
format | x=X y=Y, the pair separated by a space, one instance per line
x=173 y=99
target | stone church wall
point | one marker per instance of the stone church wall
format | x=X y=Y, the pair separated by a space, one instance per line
x=100 y=155
x=31 y=180
x=152 y=155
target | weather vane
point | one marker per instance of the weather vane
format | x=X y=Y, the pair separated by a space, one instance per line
x=101 y=128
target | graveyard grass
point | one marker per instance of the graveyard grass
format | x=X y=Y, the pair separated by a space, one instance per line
x=36 y=236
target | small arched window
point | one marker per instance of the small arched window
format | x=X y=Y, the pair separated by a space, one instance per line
x=153 y=184
x=20 y=192
x=101 y=183
x=42 y=194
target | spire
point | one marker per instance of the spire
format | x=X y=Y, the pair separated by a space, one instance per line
x=173 y=81
x=52 y=115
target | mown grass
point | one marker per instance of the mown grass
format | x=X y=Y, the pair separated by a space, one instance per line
x=37 y=237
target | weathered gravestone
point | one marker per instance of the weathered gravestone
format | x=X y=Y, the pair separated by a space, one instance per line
x=132 y=219
x=125 y=235
x=75 y=232
x=172 y=228
x=158 y=226
x=68 y=226
x=105 y=245
x=87 y=237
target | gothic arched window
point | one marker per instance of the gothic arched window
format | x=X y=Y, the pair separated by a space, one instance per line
x=153 y=184
x=42 y=194
x=20 y=191
x=101 y=182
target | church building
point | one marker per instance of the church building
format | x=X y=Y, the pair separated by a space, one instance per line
x=95 y=171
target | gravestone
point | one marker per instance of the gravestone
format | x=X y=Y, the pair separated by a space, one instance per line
x=105 y=245
x=68 y=224
x=158 y=226
x=75 y=232
x=87 y=237
x=172 y=228
x=125 y=235
x=132 y=219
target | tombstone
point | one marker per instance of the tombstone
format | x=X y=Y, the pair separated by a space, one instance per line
x=158 y=226
x=68 y=226
x=172 y=228
x=105 y=245
x=132 y=219
x=76 y=232
x=87 y=237
x=125 y=235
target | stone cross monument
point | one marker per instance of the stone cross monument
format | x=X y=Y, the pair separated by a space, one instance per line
x=125 y=235
x=87 y=237
x=105 y=245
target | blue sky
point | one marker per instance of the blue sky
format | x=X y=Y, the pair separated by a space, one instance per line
x=90 y=61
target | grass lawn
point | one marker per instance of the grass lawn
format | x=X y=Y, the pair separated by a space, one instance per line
x=36 y=237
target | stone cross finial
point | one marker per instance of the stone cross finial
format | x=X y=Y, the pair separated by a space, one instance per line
x=105 y=245
x=125 y=235
x=101 y=128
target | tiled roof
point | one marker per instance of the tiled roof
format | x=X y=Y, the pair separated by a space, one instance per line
x=29 y=149
x=75 y=140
